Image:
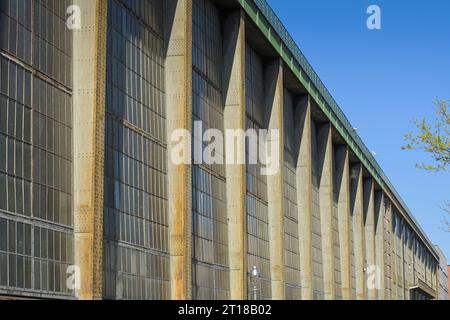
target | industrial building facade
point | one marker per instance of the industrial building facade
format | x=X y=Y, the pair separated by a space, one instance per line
x=87 y=181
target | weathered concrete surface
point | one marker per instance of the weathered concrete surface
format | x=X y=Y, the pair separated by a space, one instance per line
x=380 y=242
x=89 y=82
x=179 y=116
x=325 y=158
x=369 y=233
x=389 y=264
x=304 y=194
x=402 y=264
x=395 y=291
x=275 y=182
x=343 y=188
x=234 y=118
x=356 y=200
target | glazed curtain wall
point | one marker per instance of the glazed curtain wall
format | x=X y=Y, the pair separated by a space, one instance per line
x=257 y=213
x=36 y=222
x=210 y=269
x=136 y=261
x=291 y=242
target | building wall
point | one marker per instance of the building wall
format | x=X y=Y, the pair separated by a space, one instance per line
x=135 y=261
x=138 y=256
x=210 y=238
x=36 y=220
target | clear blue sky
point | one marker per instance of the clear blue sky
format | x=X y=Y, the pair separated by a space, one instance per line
x=383 y=79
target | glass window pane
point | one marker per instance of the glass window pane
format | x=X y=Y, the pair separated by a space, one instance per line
x=3 y=154
x=11 y=236
x=3 y=235
x=11 y=194
x=3 y=114
x=11 y=118
x=3 y=269
x=4 y=74
x=12 y=270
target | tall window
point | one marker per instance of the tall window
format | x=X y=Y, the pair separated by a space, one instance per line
x=291 y=238
x=257 y=213
x=36 y=222
x=210 y=269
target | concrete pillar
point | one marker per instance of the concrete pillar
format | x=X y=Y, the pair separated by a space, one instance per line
x=234 y=119
x=325 y=158
x=179 y=116
x=273 y=84
x=369 y=233
x=304 y=194
x=356 y=204
x=89 y=83
x=407 y=264
x=390 y=234
x=380 y=244
x=342 y=185
x=402 y=259
x=395 y=276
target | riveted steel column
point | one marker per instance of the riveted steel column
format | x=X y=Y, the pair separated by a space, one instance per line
x=89 y=75
x=179 y=116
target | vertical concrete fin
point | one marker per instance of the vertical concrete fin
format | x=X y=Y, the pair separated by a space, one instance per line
x=234 y=119
x=395 y=291
x=89 y=87
x=390 y=245
x=304 y=194
x=356 y=204
x=179 y=116
x=275 y=186
x=402 y=259
x=380 y=242
x=325 y=159
x=342 y=184
x=369 y=233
